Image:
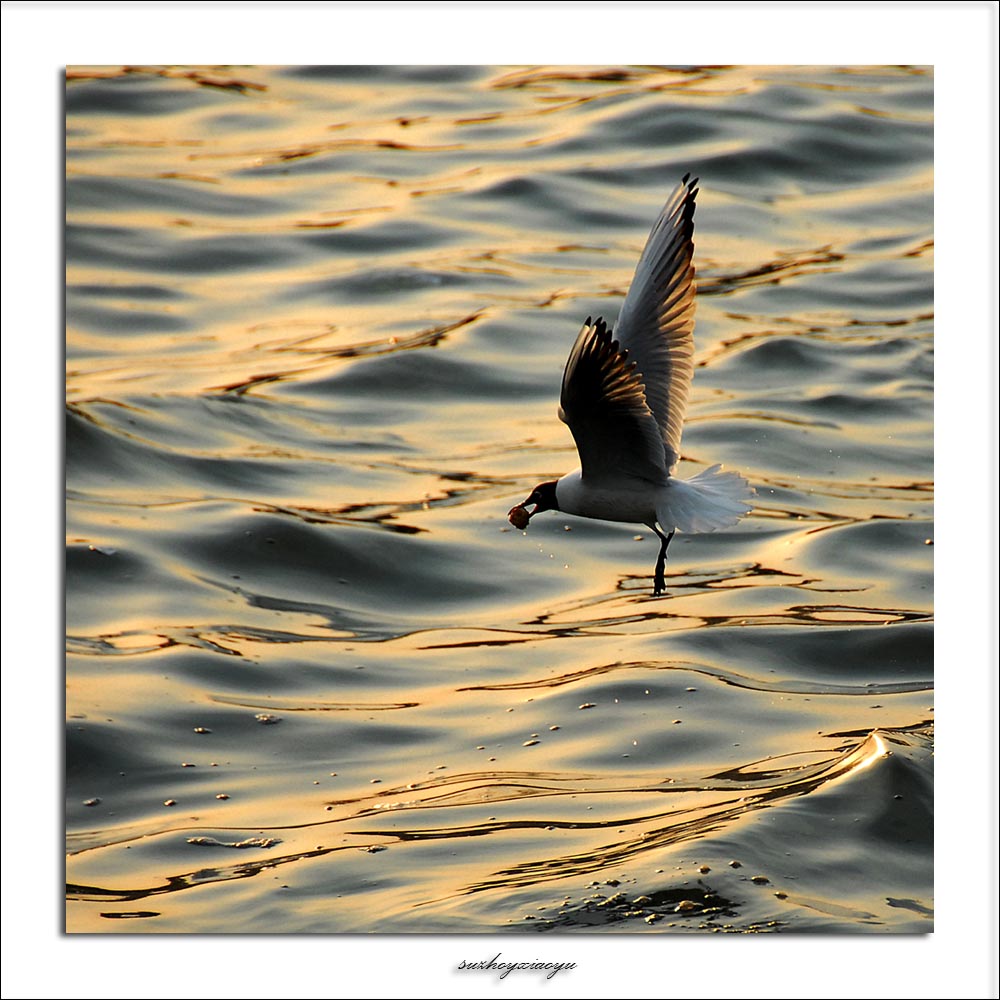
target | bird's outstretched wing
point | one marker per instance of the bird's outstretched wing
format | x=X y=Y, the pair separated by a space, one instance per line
x=656 y=323
x=604 y=403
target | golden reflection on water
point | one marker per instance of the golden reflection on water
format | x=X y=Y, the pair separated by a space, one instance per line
x=314 y=351
x=691 y=811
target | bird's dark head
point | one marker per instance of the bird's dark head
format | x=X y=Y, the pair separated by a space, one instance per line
x=542 y=497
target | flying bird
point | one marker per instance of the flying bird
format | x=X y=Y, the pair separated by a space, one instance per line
x=623 y=396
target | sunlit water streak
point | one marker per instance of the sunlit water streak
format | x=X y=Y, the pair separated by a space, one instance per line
x=316 y=325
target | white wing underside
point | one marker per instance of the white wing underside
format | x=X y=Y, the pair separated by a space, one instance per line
x=624 y=398
x=604 y=403
x=656 y=323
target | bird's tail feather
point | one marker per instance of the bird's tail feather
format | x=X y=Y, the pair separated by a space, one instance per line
x=712 y=499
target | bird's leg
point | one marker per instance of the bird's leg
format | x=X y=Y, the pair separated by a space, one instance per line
x=658 y=584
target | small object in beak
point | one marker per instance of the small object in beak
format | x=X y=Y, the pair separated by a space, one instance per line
x=519 y=516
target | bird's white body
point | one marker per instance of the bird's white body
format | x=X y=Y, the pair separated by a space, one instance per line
x=632 y=501
x=710 y=500
x=624 y=396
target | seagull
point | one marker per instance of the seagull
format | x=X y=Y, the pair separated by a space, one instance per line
x=624 y=395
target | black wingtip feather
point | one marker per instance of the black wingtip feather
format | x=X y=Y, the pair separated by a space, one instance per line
x=692 y=189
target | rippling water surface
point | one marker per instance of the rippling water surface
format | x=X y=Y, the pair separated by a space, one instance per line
x=317 y=319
